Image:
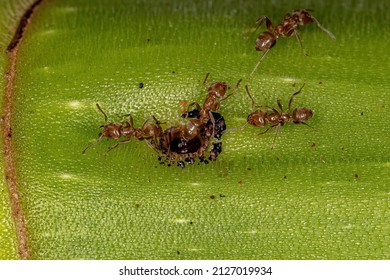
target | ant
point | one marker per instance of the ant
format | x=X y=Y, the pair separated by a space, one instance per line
x=191 y=140
x=206 y=118
x=276 y=119
x=215 y=95
x=126 y=129
x=288 y=27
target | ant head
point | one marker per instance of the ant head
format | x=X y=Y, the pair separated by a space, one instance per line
x=303 y=17
x=302 y=114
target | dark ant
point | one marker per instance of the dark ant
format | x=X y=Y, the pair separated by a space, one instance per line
x=288 y=27
x=183 y=144
x=215 y=151
x=148 y=131
x=276 y=119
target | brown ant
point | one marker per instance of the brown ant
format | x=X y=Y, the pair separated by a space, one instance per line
x=206 y=114
x=288 y=27
x=276 y=119
x=215 y=95
x=206 y=120
x=184 y=143
x=148 y=131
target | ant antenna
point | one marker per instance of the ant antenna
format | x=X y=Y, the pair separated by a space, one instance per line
x=292 y=96
x=92 y=144
x=276 y=134
x=250 y=96
x=235 y=91
x=258 y=63
x=324 y=29
x=260 y=21
x=238 y=83
x=101 y=110
x=205 y=79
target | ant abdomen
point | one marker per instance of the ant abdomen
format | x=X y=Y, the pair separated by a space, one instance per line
x=112 y=131
x=265 y=41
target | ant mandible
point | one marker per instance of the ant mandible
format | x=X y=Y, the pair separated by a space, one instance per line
x=276 y=119
x=126 y=129
x=288 y=27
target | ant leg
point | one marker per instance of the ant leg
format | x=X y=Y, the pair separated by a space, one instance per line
x=131 y=123
x=307 y=125
x=276 y=134
x=238 y=83
x=258 y=63
x=250 y=96
x=268 y=23
x=213 y=122
x=117 y=144
x=270 y=108
x=234 y=92
x=265 y=131
x=235 y=128
x=196 y=104
x=101 y=110
x=147 y=121
x=292 y=97
x=323 y=28
x=153 y=147
x=300 y=42
x=92 y=144
x=280 y=105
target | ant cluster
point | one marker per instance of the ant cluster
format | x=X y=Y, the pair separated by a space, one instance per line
x=199 y=137
x=201 y=133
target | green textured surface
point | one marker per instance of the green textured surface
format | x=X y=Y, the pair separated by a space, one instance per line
x=10 y=12
x=330 y=201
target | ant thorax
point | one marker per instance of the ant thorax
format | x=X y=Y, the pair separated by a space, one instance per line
x=284 y=117
x=265 y=41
